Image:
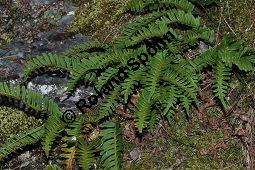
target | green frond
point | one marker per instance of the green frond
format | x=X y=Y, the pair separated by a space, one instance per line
x=153 y=120
x=50 y=61
x=204 y=59
x=186 y=103
x=85 y=49
x=28 y=97
x=155 y=69
x=143 y=5
x=160 y=27
x=21 y=139
x=99 y=62
x=200 y=34
x=169 y=96
x=129 y=83
x=132 y=28
x=39 y=103
x=112 y=145
x=86 y=153
x=53 y=125
x=74 y=129
x=105 y=77
x=183 y=83
x=109 y=103
x=143 y=111
x=220 y=84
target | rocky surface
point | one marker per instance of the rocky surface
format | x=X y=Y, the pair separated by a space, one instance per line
x=28 y=28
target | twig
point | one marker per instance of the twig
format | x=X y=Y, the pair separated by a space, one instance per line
x=229 y=26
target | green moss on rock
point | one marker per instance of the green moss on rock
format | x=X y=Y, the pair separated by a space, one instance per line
x=101 y=18
x=13 y=121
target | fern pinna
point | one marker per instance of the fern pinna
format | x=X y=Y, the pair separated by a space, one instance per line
x=149 y=59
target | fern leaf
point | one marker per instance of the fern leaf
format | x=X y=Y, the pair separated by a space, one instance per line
x=98 y=62
x=52 y=61
x=133 y=78
x=109 y=104
x=156 y=67
x=105 y=77
x=141 y=5
x=142 y=111
x=20 y=140
x=85 y=49
x=168 y=99
x=68 y=155
x=221 y=76
x=86 y=153
x=112 y=145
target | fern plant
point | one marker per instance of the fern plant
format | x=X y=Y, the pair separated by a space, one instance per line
x=222 y=58
x=149 y=59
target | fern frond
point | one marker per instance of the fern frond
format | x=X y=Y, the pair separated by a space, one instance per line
x=99 y=62
x=129 y=84
x=168 y=99
x=131 y=29
x=221 y=76
x=53 y=125
x=186 y=102
x=160 y=27
x=21 y=139
x=109 y=104
x=142 y=111
x=183 y=83
x=153 y=120
x=112 y=145
x=156 y=67
x=105 y=77
x=85 y=49
x=142 y=5
x=28 y=97
x=50 y=61
x=68 y=155
x=86 y=153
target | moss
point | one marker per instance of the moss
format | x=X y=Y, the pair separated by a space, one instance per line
x=186 y=148
x=103 y=19
x=13 y=121
x=233 y=16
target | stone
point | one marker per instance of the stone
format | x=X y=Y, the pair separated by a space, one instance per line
x=41 y=2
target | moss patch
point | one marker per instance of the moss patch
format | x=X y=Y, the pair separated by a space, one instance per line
x=233 y=16
x=14 y=121
x=102 y=18
x=188 y=145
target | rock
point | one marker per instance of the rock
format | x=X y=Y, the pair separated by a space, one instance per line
x=41 y=2
x=135 y=154
x=67 y=19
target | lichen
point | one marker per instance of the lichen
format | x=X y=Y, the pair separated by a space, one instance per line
x=13 y=121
